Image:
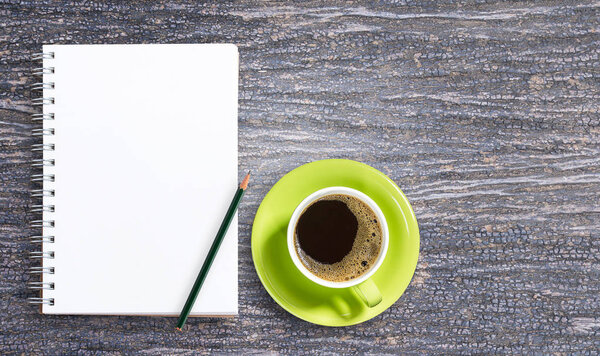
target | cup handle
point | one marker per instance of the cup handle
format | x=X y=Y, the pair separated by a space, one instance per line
x=369 y=293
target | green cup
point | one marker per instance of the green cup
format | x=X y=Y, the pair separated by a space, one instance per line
x=364 y=287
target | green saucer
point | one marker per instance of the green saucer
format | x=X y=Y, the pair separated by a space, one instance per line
x=289 y=287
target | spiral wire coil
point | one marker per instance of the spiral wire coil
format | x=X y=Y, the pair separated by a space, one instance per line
x=40 y=178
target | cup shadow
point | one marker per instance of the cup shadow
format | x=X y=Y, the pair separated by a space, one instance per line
x=295 y=289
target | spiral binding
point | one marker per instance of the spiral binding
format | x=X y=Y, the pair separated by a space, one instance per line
x=40 y=208
x=42 y=162
x=41 y=285
x=42 y=223
x=39 y=239
x=43 y=147
x=40 y=254
x=36 y=300
x=39 y=270
x=42 y=132
x=42 y=55
x=39 y=193
x=42 y=101
x=39 y=117
x=42 y=86
x=42 y=178
x=43 y=70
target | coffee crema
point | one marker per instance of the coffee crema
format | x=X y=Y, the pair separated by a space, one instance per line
x=338 y=238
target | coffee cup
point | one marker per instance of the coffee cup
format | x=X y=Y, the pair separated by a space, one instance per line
x=363 y=284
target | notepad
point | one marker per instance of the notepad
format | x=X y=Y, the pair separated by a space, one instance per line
x=139 y=167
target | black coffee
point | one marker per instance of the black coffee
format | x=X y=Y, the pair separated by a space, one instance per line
x=338 y=237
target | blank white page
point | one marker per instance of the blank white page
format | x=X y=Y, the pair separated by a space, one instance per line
x=145 y=168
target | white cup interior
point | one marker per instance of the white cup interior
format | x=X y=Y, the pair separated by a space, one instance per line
x=319 y=194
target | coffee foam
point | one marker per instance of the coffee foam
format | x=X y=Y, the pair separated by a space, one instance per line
x=365 y=250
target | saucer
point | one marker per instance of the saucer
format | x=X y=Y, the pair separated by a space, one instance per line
x=289 y=287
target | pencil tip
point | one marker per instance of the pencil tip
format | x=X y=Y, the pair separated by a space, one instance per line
x=244 y=183
x=178 y=329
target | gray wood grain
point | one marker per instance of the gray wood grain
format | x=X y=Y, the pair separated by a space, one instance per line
x=484 y=112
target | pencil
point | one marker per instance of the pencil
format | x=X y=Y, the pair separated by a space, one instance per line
x=212 y=252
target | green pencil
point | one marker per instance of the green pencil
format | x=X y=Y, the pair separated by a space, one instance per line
x=212 y=252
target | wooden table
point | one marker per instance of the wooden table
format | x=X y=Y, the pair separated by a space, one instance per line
x=486 y=114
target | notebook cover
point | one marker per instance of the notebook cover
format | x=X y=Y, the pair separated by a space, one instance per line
x=145 y=166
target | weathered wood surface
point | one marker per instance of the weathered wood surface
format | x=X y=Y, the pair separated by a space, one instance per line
x=485 y=113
